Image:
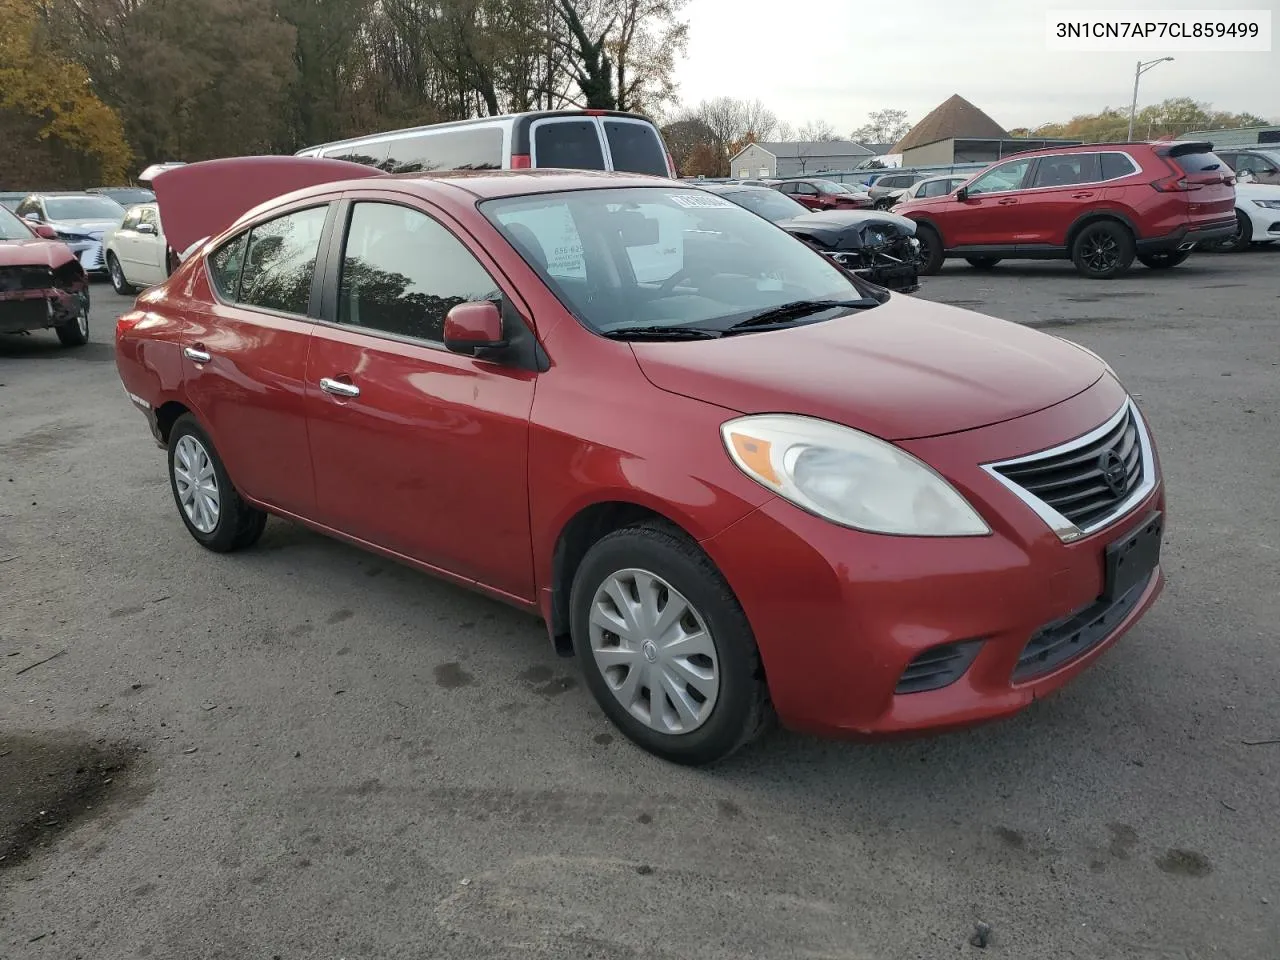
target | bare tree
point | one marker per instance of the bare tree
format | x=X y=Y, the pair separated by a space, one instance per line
x=817 y=131
x=785 y=132
x=883 y=126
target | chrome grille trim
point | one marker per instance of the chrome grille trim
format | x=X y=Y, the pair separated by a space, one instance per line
x=1066 y=530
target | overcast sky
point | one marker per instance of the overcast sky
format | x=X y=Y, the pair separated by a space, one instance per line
x=839 y=60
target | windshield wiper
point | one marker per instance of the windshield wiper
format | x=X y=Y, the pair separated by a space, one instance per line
x=797 y=309
x=661 y=333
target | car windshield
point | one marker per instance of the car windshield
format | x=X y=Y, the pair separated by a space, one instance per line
x=769 y=204
x=662 y=259
x=11 y=228
x=830 y=186
x=83 y=208
x=128 y=195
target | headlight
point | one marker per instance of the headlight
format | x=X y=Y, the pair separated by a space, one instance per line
x=848 y=477
x=1269 y=204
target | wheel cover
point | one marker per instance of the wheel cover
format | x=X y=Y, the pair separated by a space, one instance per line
x=654 y=651
x=1100 y=252
x=197 y=483
x=117 y=274
x=82 y=320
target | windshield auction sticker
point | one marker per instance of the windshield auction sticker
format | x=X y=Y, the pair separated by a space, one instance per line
x=699 y=201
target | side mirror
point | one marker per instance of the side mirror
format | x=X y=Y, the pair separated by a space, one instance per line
x=962 y=194
x=44 y=231
x=473 y=327
x=34 y=217
x=147 y=228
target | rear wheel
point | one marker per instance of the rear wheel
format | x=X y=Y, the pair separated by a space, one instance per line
x=1238 y=241
x=982 y=263
x=75 y=333
x=931 y=252
x=1163 y=261
x=665 y=647
x=118 y=281
x=1102 y=250
x=211 y=508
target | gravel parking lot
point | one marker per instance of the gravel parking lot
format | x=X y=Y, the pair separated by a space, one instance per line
x=305 y=751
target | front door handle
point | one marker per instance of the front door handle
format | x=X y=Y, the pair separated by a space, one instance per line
x=1082 y=196
x=1006 y=201
x=196 y=355
x=338 y=388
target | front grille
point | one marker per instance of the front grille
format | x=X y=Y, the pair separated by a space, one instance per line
x=25 y=278
x=1089 y=481
x=1056 y=643
x=938 y=667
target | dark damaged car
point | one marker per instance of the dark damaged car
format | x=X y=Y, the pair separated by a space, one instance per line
x=42 y=284
x=877 y=246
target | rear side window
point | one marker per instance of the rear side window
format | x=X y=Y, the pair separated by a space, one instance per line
x=1206 y=162
x=571 y=144
x=635 y=148
x=463 y=149
x=224 y=266
x=1116 y=165
x=1066 y=169
x=281 y=260
x=369 y=154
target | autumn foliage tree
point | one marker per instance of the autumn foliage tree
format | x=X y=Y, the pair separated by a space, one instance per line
x=54 y=128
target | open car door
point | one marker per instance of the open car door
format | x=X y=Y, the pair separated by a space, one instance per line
x=200 y=200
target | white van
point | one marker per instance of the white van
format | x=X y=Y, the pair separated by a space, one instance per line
x=572 y=139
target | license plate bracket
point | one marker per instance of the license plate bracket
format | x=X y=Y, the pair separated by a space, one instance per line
x=1130 y=560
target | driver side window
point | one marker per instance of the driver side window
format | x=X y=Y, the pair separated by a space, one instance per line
x=1006 y=177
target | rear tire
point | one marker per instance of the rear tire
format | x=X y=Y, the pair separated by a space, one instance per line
x=210 y=506
x=75 y=333
x=982 y=263
x=715 y=674
x=1102 y=250
x=118 y=281
x=931 y=252
x=1163 y=261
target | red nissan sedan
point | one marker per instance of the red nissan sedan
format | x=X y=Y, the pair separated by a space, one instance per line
x=732 y=478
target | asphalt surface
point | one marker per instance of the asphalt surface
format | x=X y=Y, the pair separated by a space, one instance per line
x=304 y=751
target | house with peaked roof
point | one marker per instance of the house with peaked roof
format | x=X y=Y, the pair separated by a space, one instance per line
x=956 y=131
x=796 y=158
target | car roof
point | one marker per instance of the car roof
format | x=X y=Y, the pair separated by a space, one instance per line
x=490 y=184
x=735 y=187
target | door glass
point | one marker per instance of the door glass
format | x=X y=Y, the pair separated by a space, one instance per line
x=281 y=261
x=570 y=144
x=635 y=148
x=224 y=266
x=402 y=272
x=462 y=149
x=1066 y=170
x=148 y=215
x=1007 y=176
x=131 y=219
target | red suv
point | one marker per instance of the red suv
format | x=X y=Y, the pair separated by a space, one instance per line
x=824 y=194
x=1099 y=206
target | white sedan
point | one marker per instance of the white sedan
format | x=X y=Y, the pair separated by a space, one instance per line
x=136 y=252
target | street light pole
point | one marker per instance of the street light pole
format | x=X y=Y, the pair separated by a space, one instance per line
x=1137 y=74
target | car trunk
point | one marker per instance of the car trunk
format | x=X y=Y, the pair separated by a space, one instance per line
x=1207 y=183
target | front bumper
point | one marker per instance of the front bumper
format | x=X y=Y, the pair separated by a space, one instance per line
x=839 y=615
x=1187 y=238
x=90 y=254
x=27 y=310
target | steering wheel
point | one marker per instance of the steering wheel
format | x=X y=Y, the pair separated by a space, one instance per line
x=673 y=281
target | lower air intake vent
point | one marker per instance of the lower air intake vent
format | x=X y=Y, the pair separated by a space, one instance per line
x=938 y=667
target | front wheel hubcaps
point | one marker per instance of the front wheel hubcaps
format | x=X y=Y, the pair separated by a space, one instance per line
x=197 y=483
x=655 y=652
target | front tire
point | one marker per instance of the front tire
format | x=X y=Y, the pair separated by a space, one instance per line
x=118 y=282
x=75 y=332
x=1102 y=250
x=1163 y=261
x=665 y=647
x=1237 y=242
x=211 y=508
x=931 y=252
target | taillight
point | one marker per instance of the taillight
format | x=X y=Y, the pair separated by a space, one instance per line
x=595 y=113
x=520 y=161
x=1174 y=184
x=671 y=166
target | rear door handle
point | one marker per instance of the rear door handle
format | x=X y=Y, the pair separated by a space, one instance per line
x=1006 y=201
x=196 y=355
x=338 y=388
x=1082 y=196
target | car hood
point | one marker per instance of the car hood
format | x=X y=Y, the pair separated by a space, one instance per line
x=904 y=370
x=1251 y=190
x=849 y=228
x=84 y=226
x=34 y=253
